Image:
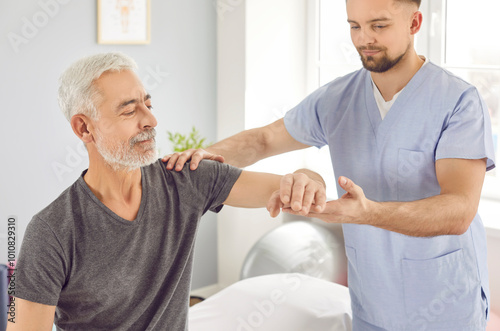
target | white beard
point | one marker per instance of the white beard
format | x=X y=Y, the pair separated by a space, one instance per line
x=125 y=155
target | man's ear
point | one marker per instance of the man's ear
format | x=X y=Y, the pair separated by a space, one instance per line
x=416 y=22
x=82 y=127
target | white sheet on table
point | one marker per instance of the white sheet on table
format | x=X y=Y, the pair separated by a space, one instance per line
x=291 y=302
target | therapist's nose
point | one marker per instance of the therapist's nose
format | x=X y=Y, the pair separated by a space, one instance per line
x=365 y=37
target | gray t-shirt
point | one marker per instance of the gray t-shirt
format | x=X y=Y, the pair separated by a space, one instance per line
x=107 y=273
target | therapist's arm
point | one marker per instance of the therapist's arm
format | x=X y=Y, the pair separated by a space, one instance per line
x=302 y=191
x=242 y=149
x=31 y=316
x=449 y=213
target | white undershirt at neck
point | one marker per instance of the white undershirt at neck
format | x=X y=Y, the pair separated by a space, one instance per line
x=385 y=106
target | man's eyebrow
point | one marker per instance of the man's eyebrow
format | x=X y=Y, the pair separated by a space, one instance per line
x=128 y=102
x=380 y=19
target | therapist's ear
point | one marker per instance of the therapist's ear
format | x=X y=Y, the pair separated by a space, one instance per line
x=416 y=22
x=82 y=127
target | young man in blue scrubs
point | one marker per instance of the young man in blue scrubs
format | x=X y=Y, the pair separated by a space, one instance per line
x=410 y=143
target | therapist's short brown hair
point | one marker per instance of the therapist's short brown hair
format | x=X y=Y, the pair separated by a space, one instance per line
x=416 y=2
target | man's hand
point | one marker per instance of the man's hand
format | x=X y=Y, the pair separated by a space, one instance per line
x=195 y=155
x=352 y=207
x=302 y=192
x=298 y=193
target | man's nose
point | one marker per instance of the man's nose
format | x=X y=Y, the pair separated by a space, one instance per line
x=365 y=37
x=148 y=120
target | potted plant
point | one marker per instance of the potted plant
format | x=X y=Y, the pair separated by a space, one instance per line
x=182 y=142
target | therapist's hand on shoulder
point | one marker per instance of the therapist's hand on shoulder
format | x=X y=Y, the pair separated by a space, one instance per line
x=178 y=160
x=352 y=207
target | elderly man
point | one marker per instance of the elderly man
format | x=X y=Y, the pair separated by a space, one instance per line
x=114 y=251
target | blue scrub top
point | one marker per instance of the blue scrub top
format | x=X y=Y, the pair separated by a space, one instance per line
x=398 y=282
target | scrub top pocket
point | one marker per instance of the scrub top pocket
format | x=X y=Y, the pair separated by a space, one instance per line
x=438 y=290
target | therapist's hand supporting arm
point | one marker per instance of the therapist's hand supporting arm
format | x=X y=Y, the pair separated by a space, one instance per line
x=449 y=213
x=302 y=192
x=242 y=149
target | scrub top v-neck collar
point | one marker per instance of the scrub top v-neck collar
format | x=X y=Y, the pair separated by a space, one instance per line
x=381 y=128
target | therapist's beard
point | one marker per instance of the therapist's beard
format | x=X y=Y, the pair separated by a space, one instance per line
x=128 y=155
x=383 y=64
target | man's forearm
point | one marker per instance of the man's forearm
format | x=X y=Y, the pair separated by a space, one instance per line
x=434 y=216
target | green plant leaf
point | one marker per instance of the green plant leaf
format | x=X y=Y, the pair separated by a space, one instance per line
x=181 y=142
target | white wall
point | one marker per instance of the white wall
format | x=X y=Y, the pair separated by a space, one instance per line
x=493 y=238
x=178 y=68
x=261 y=75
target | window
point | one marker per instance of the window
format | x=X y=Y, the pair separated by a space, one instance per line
x=470 y=50
x=462 y=43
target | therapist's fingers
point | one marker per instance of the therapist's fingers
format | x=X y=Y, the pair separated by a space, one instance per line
x=353 y=190
x=274 y=204
x=178 y=160
x=183 y=158
x=201 y=154
x=172 y=159
x=330 y=213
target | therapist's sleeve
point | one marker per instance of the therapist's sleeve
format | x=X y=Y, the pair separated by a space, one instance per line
x=303 y=122
x=467 y=134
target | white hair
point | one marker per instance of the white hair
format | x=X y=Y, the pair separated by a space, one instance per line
x=77 y=93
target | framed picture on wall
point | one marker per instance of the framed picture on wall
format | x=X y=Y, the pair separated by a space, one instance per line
x=123 y=21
